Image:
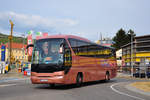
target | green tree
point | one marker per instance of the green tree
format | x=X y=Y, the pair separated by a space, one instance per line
x=120 y=39
x=130 y=32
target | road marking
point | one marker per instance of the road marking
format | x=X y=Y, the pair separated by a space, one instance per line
x=7 y=85
x=112 y=87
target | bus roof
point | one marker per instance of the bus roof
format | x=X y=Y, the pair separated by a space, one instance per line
x=69 y=36
x=62 y=36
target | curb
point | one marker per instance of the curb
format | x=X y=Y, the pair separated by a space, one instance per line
x=131 y=88
x=13 y=79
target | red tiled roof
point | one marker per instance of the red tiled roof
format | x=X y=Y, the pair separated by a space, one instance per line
x=15 y=45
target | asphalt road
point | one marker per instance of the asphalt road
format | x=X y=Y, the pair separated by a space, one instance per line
x=112 y=90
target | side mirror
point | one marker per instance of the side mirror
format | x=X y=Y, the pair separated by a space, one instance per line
x=30 y=45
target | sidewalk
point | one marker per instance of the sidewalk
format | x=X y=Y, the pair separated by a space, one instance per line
x=129 y=76
x=140 y=87
x=124 y=75
x=12 y=76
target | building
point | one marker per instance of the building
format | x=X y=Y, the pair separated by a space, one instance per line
x=18 y=53
x=140 y=54
x=105 y=42
x=119 y=59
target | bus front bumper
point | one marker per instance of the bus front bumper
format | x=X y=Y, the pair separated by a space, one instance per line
x=48 y=80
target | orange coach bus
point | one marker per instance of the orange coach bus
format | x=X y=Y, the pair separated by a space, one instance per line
x=68 y=59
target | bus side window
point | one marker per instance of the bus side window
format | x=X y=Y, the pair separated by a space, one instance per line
x=82 y=48
x=67 y=58
x=73 y=44
x=68 y=55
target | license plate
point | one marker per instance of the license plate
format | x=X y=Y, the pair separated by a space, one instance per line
x=43 y=80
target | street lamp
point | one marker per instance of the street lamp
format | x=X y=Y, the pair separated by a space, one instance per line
x=10 y=43
x=132 y=35
x=23 y=47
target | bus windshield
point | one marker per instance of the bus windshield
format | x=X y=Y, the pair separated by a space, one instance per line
x=46 y=51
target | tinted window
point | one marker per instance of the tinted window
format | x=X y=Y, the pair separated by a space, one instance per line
x=82 y=48
x=67 y=58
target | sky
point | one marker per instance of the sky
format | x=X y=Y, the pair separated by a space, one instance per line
x=85 y=18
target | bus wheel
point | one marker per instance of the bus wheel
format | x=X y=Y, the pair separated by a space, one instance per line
x=107 y=76
x=79 y=80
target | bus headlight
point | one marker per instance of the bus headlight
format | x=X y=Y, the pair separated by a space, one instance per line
x=58 y=76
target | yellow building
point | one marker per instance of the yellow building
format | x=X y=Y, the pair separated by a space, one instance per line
x=18 y=53
x=140 y=54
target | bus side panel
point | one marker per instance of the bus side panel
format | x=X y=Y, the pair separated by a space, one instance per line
x=100 y=69
x=105 y=65
x=113 y=69
x=91 y=68
x=85 y=65
x=70 y=77
x=88 y=68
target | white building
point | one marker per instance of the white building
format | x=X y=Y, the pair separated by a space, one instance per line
x=119 y=58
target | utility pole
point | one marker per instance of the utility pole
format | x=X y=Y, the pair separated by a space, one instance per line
x=23 y=47
x=10 y=44
x=132 y=34
x=132 y=54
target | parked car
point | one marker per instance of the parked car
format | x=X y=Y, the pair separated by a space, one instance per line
x=148 y=74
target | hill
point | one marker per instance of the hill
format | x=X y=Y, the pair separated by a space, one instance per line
x=4 y=39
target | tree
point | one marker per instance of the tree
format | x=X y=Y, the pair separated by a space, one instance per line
x=129 y=34
x=120 y=39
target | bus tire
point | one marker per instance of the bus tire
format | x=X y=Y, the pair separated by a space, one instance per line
x=107 y=76
x=79 y=80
